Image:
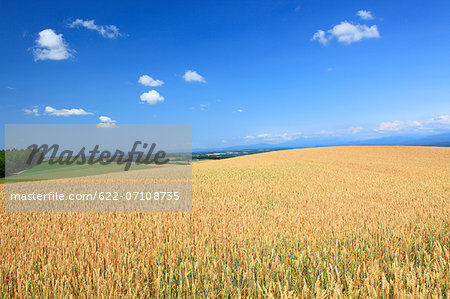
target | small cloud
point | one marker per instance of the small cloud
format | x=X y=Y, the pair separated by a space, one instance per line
x=65 y=112
x=193 y=76
x=365 y=15
x=434 y=124
x=11 y=88
x=355 y=130
x=108 y=31
x=444 y=119
x=398 y=125
x=33 y=111
x=149 y=81
x=298 y=7
x=276 y=137
x=320 y=37
x=192 y=108
x=51 y=46
x=263 y=136
x=351 y=130
x=106 y=119
x=239 y=110
x=152 y=97
x=347 y=33
x=330 y=69
x=106 y=123
x=224 y=141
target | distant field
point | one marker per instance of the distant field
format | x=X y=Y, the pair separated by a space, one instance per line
x=338 y=221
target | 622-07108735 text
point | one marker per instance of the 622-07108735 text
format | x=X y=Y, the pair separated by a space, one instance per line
x=51 y=196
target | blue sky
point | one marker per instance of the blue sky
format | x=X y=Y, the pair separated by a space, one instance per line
x=260 y=71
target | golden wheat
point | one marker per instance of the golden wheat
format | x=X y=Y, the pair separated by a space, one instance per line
x=346 y=221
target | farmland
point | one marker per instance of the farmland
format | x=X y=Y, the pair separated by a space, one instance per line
x=342 y=221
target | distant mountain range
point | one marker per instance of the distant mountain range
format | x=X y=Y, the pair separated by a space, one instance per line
x=321 y=141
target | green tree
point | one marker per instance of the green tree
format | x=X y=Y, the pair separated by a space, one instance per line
x=2 y=163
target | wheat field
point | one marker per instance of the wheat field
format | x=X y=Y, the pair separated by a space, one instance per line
x=324 y=222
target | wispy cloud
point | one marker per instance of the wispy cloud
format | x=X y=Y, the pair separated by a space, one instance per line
x=106 y=123
x=152 y=97
x=350 y=130
x=51 y=46
x=347 y=33
x=193 y=76
x=239 y=110
x=65 y=112
x=11 y=88
x=434 y=124
x=321 y=37
x=365 y=15
x=146 y=80
x=107 y=31
x=33 y=111
x=274 y=137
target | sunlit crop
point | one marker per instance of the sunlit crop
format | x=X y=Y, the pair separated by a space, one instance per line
x=346 y=221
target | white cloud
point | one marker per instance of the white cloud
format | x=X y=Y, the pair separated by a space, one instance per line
x=347 y=33
x=149 y=81
x=106 y=123
x=330 y=69
x=240 y=110
x=275 y=137
x=152 y=97
x=263 y=135
x=355 y=130
x=106 y=119
x=434 y=124
x=193 y=76
x=108 y=31
x=320 y=37
x=33 y=111
x=398 y=125
x=51 y=46
x=365 y=15
x=203 y=106
x=10 y=87
x=65 y=112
